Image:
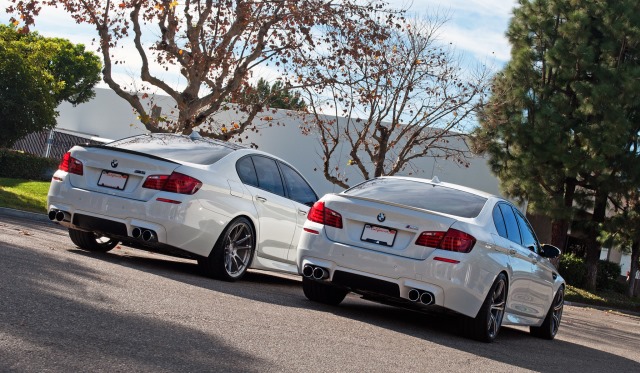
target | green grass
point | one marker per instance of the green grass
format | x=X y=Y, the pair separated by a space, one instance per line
x=608 y=299
x=24 y=195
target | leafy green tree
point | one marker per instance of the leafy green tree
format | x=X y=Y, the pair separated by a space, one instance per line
x=271 y=96
x=25 y=103
x=561 y=125
x=38 y=74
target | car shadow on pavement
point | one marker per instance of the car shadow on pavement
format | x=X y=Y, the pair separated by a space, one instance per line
x=434 y=327
x=54 y=319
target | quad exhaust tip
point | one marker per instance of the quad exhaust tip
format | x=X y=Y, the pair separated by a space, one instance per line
x=317 y=273
x=59 y=215
x=146 y=235
x=421 y=296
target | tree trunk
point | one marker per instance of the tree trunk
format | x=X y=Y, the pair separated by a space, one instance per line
x=559 y=230
x=635 y=254
x=592 y=246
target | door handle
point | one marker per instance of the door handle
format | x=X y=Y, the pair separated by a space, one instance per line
x=302 y=212
x=261 y=199
x=512 y=252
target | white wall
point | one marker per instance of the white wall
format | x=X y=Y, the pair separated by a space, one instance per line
x=110 y=116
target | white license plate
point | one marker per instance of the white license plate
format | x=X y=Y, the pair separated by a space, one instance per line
x=113 y=180
x=378 y=235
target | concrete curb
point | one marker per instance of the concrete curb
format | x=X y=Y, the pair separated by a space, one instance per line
x=23 y=214
x=601 y=308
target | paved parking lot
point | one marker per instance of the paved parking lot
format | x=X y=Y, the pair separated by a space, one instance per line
x=63 y=309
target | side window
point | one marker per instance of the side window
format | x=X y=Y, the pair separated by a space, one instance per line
x=528 y=237
x=513 y=232
x=297 y=188
x=268 y=175
x=246 y=171
x=498 y=220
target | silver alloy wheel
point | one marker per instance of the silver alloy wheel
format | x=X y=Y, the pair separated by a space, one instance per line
x=557 y=312
x=238 y=244
x=496 y=312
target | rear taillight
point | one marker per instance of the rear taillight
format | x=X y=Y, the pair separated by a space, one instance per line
x=174 y=183
x=452 y=240
x=71 y=165
x=324 y=215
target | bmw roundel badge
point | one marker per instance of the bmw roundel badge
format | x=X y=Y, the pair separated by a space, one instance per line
x=114 y=163
x=381 y=217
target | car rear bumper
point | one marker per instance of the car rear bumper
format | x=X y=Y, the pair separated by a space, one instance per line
x=185 y=225
x=457 y=287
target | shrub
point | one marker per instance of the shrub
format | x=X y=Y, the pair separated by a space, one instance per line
x=607 y=276
x=573 y=269
x=18 y=165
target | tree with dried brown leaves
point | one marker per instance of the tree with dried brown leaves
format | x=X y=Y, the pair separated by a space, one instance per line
x=409 y=99
x=216 y=45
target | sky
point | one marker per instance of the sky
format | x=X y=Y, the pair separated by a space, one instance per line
x=476 y=29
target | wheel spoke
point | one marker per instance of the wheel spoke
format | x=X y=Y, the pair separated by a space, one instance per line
x=499 y=290
x=498 y=306
x=493 y=324
x=240 y=229
x=238 y=258
x=242 y=240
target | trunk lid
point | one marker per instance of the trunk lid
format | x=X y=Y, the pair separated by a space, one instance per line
x=384 y=227
x=117 y=171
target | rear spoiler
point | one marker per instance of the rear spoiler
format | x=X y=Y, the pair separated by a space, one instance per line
x=106 y=147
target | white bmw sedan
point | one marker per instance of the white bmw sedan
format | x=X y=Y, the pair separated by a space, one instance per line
x=416 y=242
x=229 y=207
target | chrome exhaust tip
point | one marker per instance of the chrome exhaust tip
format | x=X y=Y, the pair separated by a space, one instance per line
x=148 y=236
x=136 y=232
x=307 y=271
x=52 y=215
x=426 y=298
x=63 y=216
x=414 y=295
x=320 y=273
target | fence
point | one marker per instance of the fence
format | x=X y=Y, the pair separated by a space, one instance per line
x=52 y=143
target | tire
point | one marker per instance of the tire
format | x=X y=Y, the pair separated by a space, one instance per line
x=486 y=325
x=232 y=254
x=551 y=323
x=323 y=293
x=90 y=241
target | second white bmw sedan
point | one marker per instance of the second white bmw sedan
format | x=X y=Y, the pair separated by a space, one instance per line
x=227 y=206
x=416 y=242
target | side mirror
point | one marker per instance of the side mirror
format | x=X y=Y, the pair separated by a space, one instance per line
x=549 y=251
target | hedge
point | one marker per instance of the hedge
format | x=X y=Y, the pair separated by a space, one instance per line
x=18 y=165
x=574 y=271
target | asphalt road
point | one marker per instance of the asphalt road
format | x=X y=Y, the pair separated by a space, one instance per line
x=64 y=310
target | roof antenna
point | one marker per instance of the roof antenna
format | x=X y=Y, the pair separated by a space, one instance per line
x=195 y=135
x=435 y=180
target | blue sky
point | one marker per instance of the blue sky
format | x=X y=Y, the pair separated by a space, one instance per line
x=475 y=28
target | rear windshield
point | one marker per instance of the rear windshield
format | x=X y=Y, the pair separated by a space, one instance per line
x=177 y=147
x=431 y=197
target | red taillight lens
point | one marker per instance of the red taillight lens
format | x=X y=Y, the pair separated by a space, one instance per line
x=155 y=182
x=452 y=240
x=323 y=215
x=71 y=165
x=430 y=239
x=174 y=183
